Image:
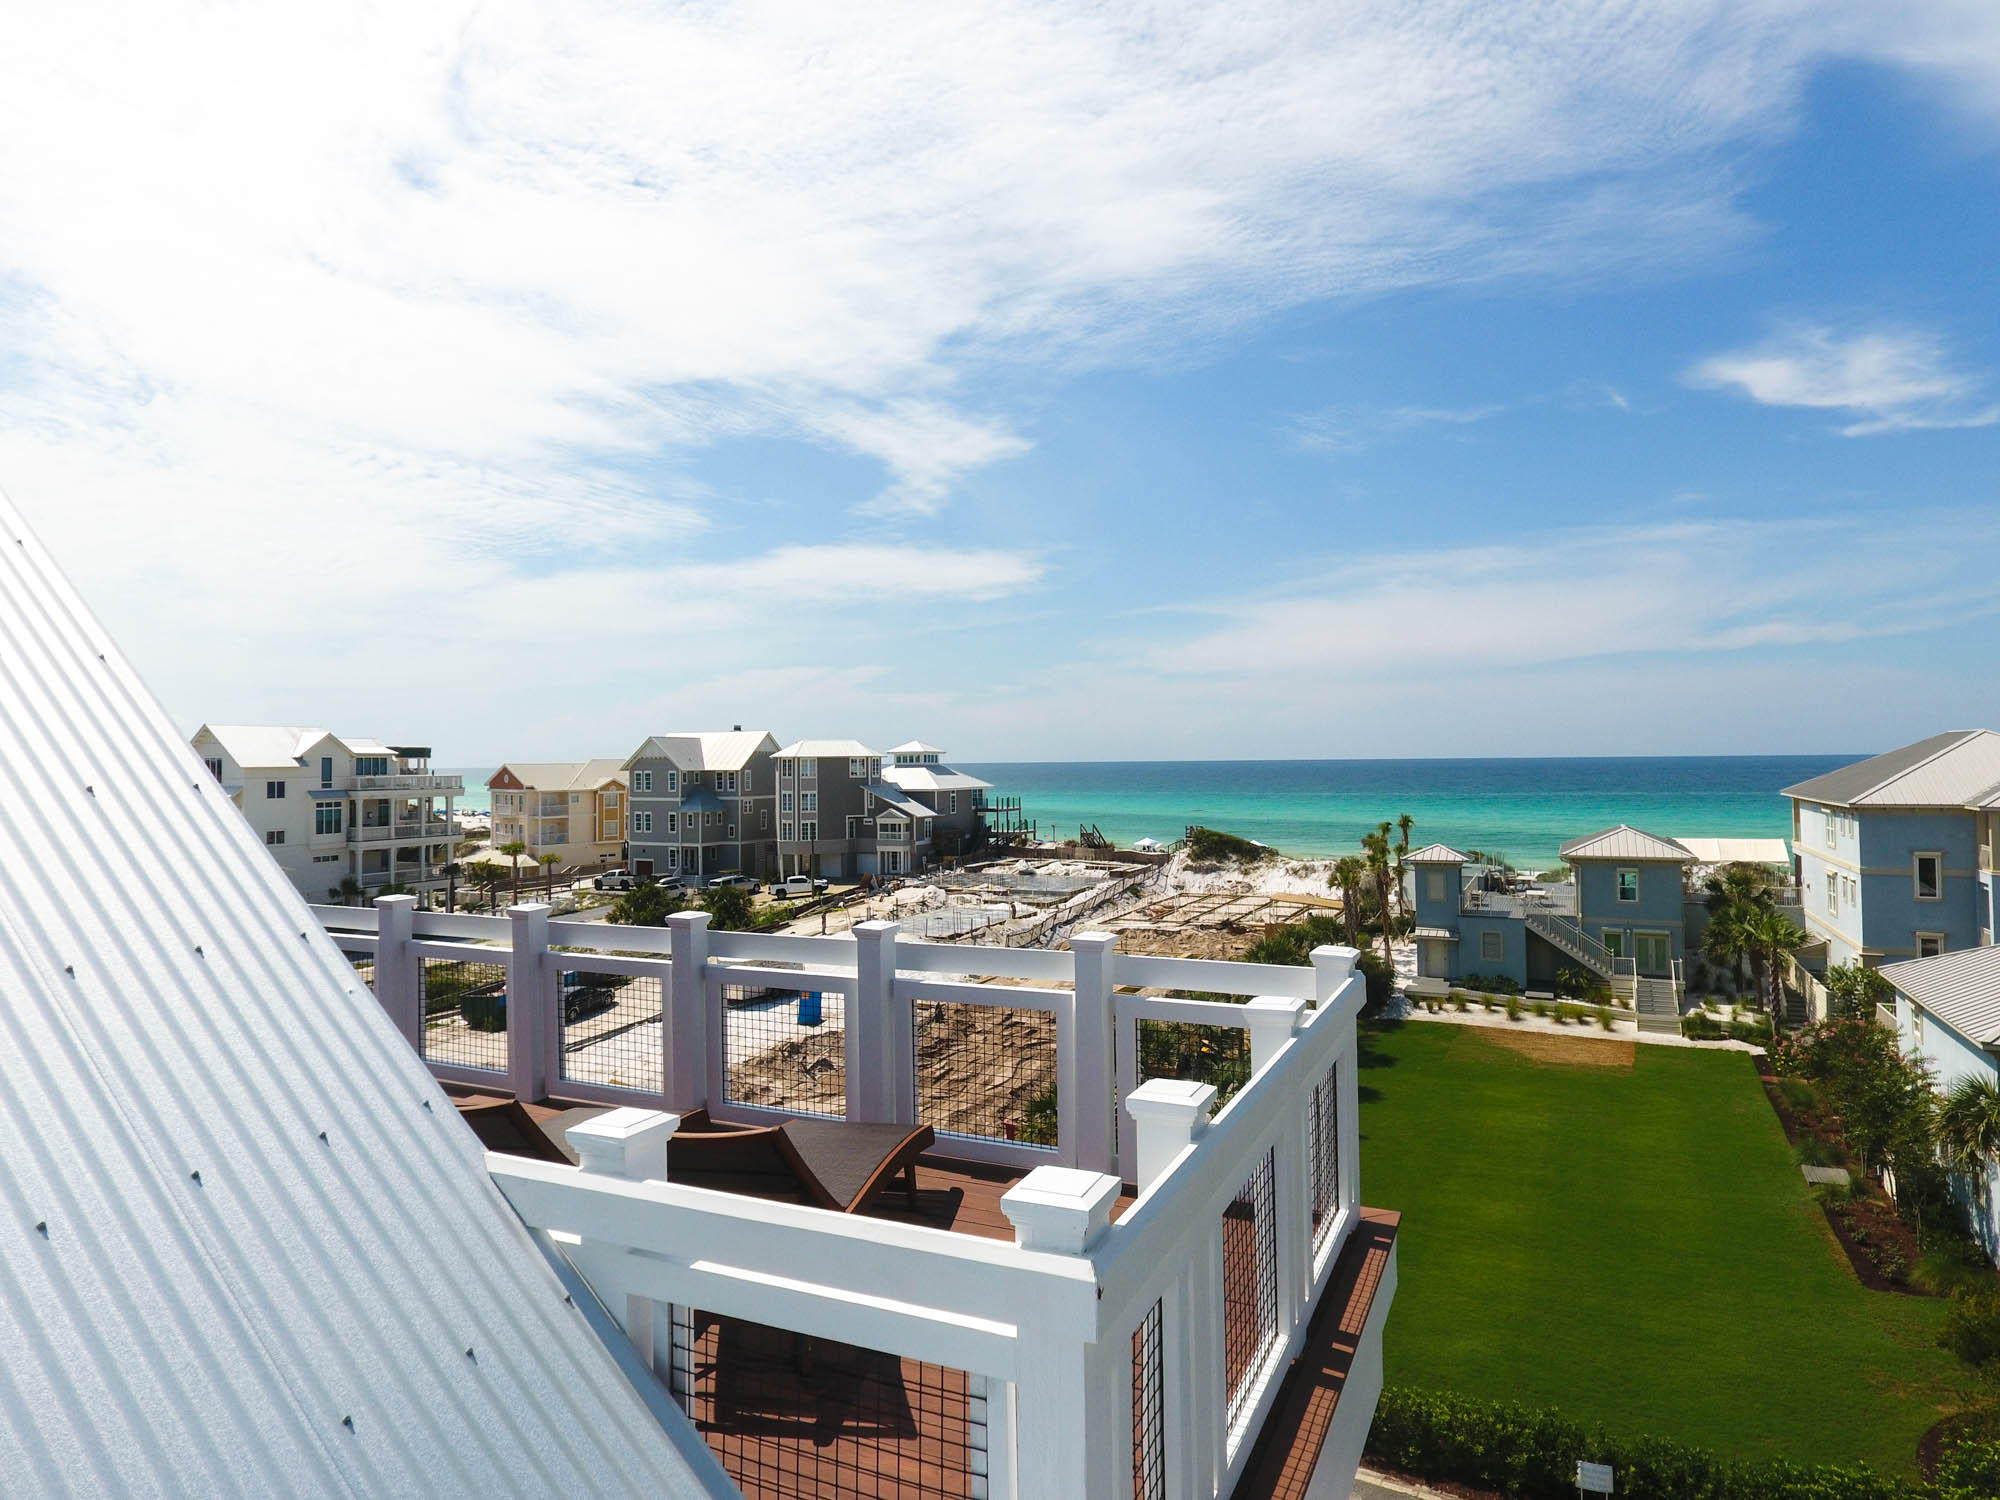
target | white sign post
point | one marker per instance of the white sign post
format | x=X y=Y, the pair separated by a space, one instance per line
x=1592 y=1479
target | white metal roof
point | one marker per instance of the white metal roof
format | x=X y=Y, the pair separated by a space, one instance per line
x=915 y=747
x=896 y=799
x=1436 y=854
x=247 y=1247
x=264 y=747
x=1625 y=842
x=563 y=775
x=828 y=750
x=1959 y=768
x=1962 y=988
x=933 y=779
x=704 y=749
x=1738 y=851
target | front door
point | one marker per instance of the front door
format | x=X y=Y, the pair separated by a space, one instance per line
x=1437 y=959
x=1650 y=952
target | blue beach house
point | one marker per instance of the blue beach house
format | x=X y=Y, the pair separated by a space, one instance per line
x=1895 y=853
x=1622 y=918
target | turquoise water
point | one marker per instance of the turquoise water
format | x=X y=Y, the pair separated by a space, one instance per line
x=1522 y=808
x=476 y=798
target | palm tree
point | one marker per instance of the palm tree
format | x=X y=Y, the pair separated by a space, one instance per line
x=489 y=878
x=514 y=849
x=349 y=890
x=1771 y=935
x=548 y=863
x=1376 y=847
x=1403 y=826
x=1348 y=873
x=1968 y=1123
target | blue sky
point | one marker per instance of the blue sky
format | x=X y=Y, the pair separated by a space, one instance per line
x=1145 y=382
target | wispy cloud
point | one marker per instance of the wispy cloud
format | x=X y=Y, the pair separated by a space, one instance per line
x=1350 y=429
x=1886 y=379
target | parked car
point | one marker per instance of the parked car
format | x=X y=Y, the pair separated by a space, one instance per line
x=585 y=991
x=799 y=887
x=617 y=880
x=744 y=882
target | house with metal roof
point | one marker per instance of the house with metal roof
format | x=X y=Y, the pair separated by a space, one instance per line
x=573 y=810
x=1896 y=853
x=703 y=803
x=846 y=809
x=342 y=815
x=1947 y=1011
x=249 y=1248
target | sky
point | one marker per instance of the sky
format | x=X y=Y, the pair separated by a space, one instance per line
x=1047 y=382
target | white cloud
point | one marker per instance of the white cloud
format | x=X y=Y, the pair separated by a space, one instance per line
x=1889 y=379
x=1350 y=429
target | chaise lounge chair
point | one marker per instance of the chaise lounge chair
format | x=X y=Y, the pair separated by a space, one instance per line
x=832 y=1164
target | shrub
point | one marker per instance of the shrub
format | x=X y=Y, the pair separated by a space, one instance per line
x=1972 y=1330
x=1496 y=984
x=1458 y=1002
x=1948 y=1265
x=1853 y=992
x=1513 y=1007
x=1540 y=1008
x=1604 y=1016
x=1811 y=1151
x=1378 y=976
x=1797 y=1093
x=1568 y=1014
x=647 y=906
x=1213 y=846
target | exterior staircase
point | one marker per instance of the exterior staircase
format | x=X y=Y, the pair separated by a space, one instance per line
x=1658 y=1003
x=1567 y=936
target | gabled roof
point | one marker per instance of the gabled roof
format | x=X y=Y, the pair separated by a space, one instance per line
x=1626 y=842
x=933 y=779
x=1961 y=988
x=563 y=775
x=704 y=749
x=1960 y=768
x=828 y=750
x=896 y=800
x=249 y=1242
x=264 y=747
x=1437 y=854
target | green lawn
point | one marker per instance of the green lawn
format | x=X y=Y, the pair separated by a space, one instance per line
x=1635 y=1246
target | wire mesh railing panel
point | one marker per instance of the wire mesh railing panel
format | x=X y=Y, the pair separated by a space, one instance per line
x=797 y=1418
x=1195 y=1053
x=611 y=1029
x=785 y=1049
x=364 y=964
x=1149 y=1422
x=1249 y=1284
x=465 y=1011
x=1323 y=1120
x=986 y=1071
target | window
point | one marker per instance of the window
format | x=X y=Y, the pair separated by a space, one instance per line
x=673 y=857
x=610 y=799
x=1492 y=947
x=746 y=783
x=326 y=770
x=1929 y=875
x=1917 y=1024
x=809 y=830
x=787 y=770
x=854 y=767
x=326 y=859
x=715 y=820
x=808 y=801
x=1832 y=826
x=809 y=769
x=1628 y=885
x=326 y=817
x=673 y=781
x=574 y=798
x=214 y=764
x=784 y=802
x=732 y=830
x=371 y=765
x=673 y=823
x=642 y=822
x=274 y=789
x=732 y=781
x=642 y=781
x=1930 y=944
x=853 y=828
x=763 y=820
x=275 y=837
x=1832 y=894
x=1434 y=885
x=954 y=803
x=785 y=832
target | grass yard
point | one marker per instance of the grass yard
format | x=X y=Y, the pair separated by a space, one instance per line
x=1631 y=1242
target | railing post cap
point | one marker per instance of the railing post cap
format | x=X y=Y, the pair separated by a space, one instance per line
x=395 y=901
x=624 y=1143
x=1336 y=955
x=1173 y=1099
x=688 y=919
x=875 y=927
x=529 y=909
x=1081 y=940
x=1270 y=1007
x=1060 y=1209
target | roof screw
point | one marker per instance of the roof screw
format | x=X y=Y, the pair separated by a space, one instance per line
x=91 y=789
x=42 y=1228
x=348 y=1423
x=197 y=951
x=195 y=1176
x=70 y=969
x=323 y=1140
x=470 y=1355
x=427 y=1104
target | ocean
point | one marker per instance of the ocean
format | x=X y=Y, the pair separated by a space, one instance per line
x=1521 y=808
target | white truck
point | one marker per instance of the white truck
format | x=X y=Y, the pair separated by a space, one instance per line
x=798 y=888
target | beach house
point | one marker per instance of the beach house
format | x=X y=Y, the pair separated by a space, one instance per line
x=573 y=810
x=846 y=809
x=1896 y=853
x=957 y=802
x=703 y=803
x=1621 y=919
x=335 y=809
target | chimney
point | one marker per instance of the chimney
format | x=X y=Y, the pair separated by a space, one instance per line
x=738 y=728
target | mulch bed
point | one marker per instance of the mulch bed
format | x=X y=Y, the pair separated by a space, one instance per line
x=1867 y=1229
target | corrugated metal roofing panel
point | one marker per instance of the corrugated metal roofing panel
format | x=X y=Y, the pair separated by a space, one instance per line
x=1738 y=851
x=704 y=749
x=1954 y=769
x=1962 y=988
x=933 y=779
x=266 y=1242
x=1437 y=854
x=1624 y=842
x=828 y=750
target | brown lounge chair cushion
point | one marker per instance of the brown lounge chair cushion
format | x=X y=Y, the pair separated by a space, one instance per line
x=503 y=1125
x=829 y=1163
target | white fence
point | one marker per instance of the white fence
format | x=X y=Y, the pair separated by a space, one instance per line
x=1104 y=1359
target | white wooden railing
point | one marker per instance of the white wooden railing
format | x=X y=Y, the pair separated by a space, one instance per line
x=1241 y=1213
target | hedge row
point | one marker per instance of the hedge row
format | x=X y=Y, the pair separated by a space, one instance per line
x=1531 y=1454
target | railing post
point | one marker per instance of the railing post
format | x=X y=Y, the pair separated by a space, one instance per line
x=1274 y=1020
x=396 y=987
x=1168 y=1114
x=1065 y=1442
x=685 y=1024
x=632 y=1144
x=881 y=1041
x=1086 y=1083
x=532 y=1037
x=1332 y=965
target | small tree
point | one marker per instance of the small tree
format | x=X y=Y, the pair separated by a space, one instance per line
x=488 y=878
x=1376 y=847
x=646 y=906
x=1968 y=1124
x=1854 y=990
x=729 y=908
x=1348 y=873
x=548 y=862
x=514 y=850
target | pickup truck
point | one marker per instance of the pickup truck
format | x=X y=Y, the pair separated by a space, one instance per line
x=747 y=882
x=617 y=880
x=799 y=887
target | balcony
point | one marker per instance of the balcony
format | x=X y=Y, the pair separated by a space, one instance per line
x=1145 y=1271
x=411 y=781
x=407 y=831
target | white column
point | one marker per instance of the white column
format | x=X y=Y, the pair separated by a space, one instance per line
x=1273 y=1019
x=1333 y=966
x=1168 y=1115
x=880 y=1042
x=632 y=1144
x=685 y=1030
x=1086 y=1086
x=396 y=987
x=532 y=1033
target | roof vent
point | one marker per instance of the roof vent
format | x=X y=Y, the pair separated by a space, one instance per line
x=736 y=728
